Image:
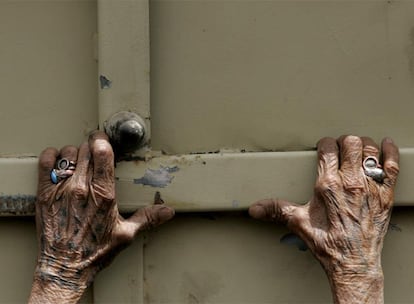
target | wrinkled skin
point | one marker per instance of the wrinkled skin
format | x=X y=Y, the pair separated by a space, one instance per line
x=345 y=221
x=78 y=224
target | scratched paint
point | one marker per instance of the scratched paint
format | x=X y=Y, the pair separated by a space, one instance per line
x=159 y=178
x=17 y=204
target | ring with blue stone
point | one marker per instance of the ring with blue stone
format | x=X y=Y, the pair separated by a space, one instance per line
x=54 y=177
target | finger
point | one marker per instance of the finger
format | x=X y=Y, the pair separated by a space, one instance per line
x=144 y=218
x=351 y=162
x=103 y=159
x=82 y=166
x=328 y=181
x=70 y=153
x=371 y=163
x=273 y=210
x=328 y=157
x=350 y=152
x=369 y=148
x=47 y=161
x=391 y=158
x=296 y=217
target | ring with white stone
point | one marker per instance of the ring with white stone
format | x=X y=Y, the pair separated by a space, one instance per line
x=372 y=169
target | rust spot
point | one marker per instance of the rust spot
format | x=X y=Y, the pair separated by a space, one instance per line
x=17 y=204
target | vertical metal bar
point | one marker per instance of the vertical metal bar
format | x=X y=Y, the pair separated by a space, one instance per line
x=124 y=85
x=123 y=55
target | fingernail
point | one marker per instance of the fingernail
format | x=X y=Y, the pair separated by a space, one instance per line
x=166 y=213
x=388 y=140
x=257 y=211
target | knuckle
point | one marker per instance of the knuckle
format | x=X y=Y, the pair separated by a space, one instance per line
x=371 y=150
x=327 y=183
x=102 y=150
x=79 y=192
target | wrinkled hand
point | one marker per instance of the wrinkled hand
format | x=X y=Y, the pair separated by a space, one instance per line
x=78 y=224
x=345 y=221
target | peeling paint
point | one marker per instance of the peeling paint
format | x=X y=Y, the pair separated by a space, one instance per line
x=159 y=178
x=104 y=82
x=157 y=199
x=17 y=204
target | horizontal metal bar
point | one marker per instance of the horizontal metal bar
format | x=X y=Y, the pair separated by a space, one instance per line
x=199 y=182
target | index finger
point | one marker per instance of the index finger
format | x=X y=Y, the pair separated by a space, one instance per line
x=327 y=156
x=391 y=159
x=103 y=161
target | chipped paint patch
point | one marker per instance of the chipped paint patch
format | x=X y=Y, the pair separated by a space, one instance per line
x=104 y=82
x=159 y=178
x=17 y=204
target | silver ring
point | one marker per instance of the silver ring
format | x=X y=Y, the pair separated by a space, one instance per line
x=371 y=169
x=65 y=164
x=370 y=162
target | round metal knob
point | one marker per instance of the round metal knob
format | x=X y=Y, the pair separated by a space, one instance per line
x=126 y=132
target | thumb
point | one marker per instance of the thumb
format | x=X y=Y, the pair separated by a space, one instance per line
x=144 y=218
x=294 y=216
x=274 y=210
x=150 y=217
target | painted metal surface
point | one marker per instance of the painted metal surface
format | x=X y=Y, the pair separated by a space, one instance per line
x=48 y=80
x=123 y=58
x=257 y=76
x=199 y=182
x=230 y=258
x=279 y=75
